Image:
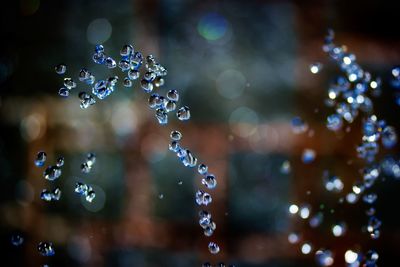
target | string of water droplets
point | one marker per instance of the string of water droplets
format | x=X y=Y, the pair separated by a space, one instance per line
x=153 y=77
x=350 y=96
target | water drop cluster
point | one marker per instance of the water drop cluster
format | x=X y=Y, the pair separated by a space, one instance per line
x=85 y=190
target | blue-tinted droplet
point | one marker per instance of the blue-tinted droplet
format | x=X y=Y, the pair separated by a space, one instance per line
x=60 y=69
x=183 y=113
x=52 y=173
x=40 y=159
x=46 y=249
x=17 y=240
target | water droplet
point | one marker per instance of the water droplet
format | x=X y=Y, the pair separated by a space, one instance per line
x=46 y=195
x=293 y=238
x=180 y=182
x=60 y=69
x=389 y=137
x=99 y=57
x=370 y=198
x=127 y=82
x=85 y=168
x=203 y=198
x=176 y=135
x=308 y=156
x=174 y=146
x=339 y=229
x=133 y=74
x=306 y=248
x=315 y=67
x=350 y=256
x=173 y=95
x=86 y=100
x=334 y=122
x=161 y=116
x=285 y=167
x=81 y=188
x=90 y=195
x=64 y=92
x=60 y=162
x=146 y=86
x=209 y=181
x=170 y=106
x=126 y=50
x=202 y=169
x=46 y=249
x=110 y=63
x=17 y=240
x=298 y=125
x=158 y=82
x=213 y=248
x=187 y=158
x=52 y=173
x=40 y=159
x=56 y=195
x=324 y=257
x=69 y=83
x=183 y=113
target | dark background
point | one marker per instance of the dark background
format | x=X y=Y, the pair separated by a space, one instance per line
x=242 y=67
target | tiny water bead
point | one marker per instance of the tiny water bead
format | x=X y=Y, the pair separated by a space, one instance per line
x=308 y=156
x=293 y=238
x=17 y=240
x=60 y=69
x=69 y=83
x=324 y=257
x=370 y=198
x=213 y=248
x=46 y=249
x=64 y=92
x=85 y=190
x=209 y=181
x=299 y=126
x=315 y=67
x=202 y=169
x=87 y=165
x=285 y=167
x=174 y=146
x=176 y=135
x=60 y=162
x=127 y=82
x=162 y=116
x=52 y=173
x=187 y=158
x=173 y=95
x=48 y=196
x=334 y=122
x=133 y=74
x=339 y=229
x=86 y=100
x=40 y=159
x=306 y=248
x=183 y=113
x=203 y=198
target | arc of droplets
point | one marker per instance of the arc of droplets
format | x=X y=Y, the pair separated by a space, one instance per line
x=152 y=77
x=349 y=96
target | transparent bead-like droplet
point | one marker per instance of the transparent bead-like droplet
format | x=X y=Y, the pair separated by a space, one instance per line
x=158 y=82
x=149 y=76
x=90 y=196
x=161 y=116
x=133 y=74
x=389 y=137
x=170 y=106
x=85 y=168
x=213 y=248
x=176 y=135
x=81 y=188
x=154 y=100
x=324 y=257
x=146 y=86
x=209 y=181
x=285 y=167
x=298 y=125
x=64 y=92
x=60 y=162
x=86 y=100
x=52 y=173
x=202 y=169
x=17 y=240
x=334 y=122
x=110 y=63
x=40 y=159
x=46 y=249
x=188 y=159
x=203 y=198
x=60 y=69
x=183 y=113
x=126 y=50
x=69 y=83
x=308 y=156
x=174 y=146
x=127 y=82
x=173 y=95
x=316 y=67
x=56 y=195
x=46 y=195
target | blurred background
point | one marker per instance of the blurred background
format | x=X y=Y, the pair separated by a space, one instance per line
x=242 y=68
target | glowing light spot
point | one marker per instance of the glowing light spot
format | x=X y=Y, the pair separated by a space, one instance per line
x=293 y=209
x=350 y=256
x=212 y=26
